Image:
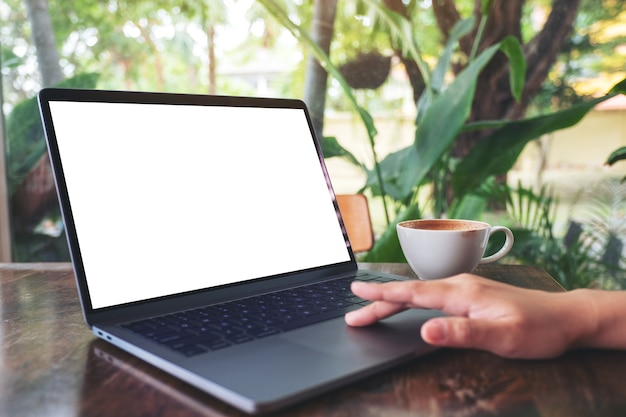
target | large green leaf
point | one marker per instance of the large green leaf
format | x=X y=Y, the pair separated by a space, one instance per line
x=485 y=6
x=332 y=148
x=469 y=207
x=619 y=88
x=461 y=29
x=617 y=155
x=390 y=171
x=497 y=153
x=517 y=65
x=442 y=122
x=439 y=123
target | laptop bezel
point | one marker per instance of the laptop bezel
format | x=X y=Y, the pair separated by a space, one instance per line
x=192 y=298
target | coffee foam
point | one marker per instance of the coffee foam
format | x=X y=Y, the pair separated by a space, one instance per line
x=443 y=224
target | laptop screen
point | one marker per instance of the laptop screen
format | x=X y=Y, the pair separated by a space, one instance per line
x=174 y=198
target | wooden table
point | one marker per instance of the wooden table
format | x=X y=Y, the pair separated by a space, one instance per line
x=52 y=365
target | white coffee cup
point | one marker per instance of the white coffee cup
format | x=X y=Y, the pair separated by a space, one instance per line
x=439 y=248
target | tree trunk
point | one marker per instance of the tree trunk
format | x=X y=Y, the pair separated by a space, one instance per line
x=316 y=77
x=212 y=64
x=43 y=38
x=410 y=66
x=493 y=99
x=37 y=193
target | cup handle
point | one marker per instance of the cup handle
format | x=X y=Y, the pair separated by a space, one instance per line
x=508 y=244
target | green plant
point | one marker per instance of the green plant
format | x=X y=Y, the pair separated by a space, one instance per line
x=443 y=111
x=32 y=241
x=26 y=142
x=534 y=216
x=442 y=116
x=605 y=220
x=617 y=155
x=589 y=255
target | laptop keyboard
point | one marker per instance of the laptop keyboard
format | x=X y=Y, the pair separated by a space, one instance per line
x=219 y=326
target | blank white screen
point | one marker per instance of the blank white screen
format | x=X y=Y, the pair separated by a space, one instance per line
x=173 y=198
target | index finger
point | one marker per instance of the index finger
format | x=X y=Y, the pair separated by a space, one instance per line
x=414 y=293
x=388 y=299
x=372 y=313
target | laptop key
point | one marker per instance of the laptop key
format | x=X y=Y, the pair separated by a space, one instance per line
x=192 y=350
x=294 y=324
x=240 y=338
x=356 y=300
x=264 y=332
x=220 y=344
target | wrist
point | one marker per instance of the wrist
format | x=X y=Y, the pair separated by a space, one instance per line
x=585 y=317
x=601 y=317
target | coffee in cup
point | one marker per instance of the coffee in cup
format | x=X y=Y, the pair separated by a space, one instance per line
x=439 y=248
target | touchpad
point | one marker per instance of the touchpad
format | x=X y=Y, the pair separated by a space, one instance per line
x=397 y=335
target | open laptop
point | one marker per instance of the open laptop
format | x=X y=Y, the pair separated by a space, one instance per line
x=206 y=240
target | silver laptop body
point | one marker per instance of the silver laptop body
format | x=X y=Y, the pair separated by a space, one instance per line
x=175 y=204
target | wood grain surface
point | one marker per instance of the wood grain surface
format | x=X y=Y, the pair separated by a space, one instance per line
x=52 y=365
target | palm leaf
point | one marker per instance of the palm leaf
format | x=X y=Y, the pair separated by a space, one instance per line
x=497 y=153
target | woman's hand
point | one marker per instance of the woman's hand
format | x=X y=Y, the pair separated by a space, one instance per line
x=485 y=314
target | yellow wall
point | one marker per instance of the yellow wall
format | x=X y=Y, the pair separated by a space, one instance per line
x=588 y=143
x=584 y=147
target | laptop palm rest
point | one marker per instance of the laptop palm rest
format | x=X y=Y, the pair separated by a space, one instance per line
x=316 y=359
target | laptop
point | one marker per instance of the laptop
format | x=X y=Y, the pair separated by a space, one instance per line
x=206 y=240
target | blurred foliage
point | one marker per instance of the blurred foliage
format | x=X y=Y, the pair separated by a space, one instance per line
x=589 y=255
x=162 y=45
x=26 y=145
x=25 y=137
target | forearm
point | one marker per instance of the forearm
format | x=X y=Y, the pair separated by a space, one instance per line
x=601 y=316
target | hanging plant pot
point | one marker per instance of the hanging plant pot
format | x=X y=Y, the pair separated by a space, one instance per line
x=366 y=71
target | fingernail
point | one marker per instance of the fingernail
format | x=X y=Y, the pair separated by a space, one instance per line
x=348 y=317
x=357 y=284
x=435 y=331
